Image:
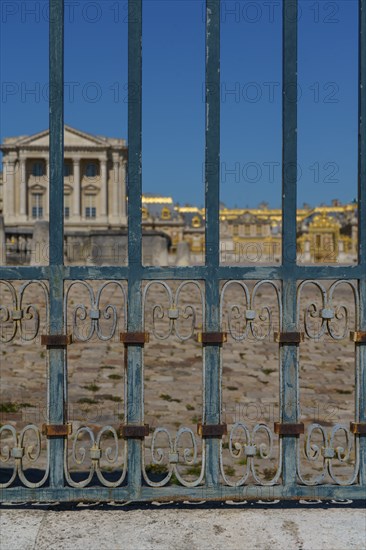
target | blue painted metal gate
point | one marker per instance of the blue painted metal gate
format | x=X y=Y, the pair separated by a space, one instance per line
x=288 y=280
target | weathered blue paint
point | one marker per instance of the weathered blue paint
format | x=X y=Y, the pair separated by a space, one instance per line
x=362 y=137
x=289 y=353
x=212 y=274
x=56 y=413
x=360 y=393
x=134 y=412
x=212 y=401
x=299 y=272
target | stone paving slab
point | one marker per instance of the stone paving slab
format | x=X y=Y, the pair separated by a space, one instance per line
x=182 y=529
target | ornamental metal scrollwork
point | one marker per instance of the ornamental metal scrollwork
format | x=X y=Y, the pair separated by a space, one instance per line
x=167 y=318
x=330 y=319
x=249 y=449
x=329 y=453
x=95 y=453
x=81 y=312
x=171 y=454
x=174 y=312
x=252 y=320
x=19 y=451
x=22 y=318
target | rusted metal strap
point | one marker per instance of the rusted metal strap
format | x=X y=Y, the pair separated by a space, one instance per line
x=358 y=428
x=289 y=337
x=358 y=337
x=134 y=338
x=212 y=338
x=284 y=428
x=131 y=431
x=56 y=340
x=211 y=430
x=57 y=430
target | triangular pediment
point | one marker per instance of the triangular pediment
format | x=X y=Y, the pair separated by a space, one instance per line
x=90 y=189
x=248 y=217
x=72 y=138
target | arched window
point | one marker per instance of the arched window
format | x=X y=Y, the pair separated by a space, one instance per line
x=196 y=222
x=165 y=213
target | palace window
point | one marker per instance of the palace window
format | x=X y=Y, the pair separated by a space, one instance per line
x=38 y=169
x=67 y=169
x=90 y=208
x=67 y=206
x=259 y=230
x=196 y=222
x=247 y=230
x=91 y=170
x=165 y=213
x=37 y=206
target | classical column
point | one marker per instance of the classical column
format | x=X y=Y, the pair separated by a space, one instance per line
x=77 y=185
x=8 y=189
x=47 y=194
x=122 y=187
x=116 y=185
x=2 y=242
x=104 y=190
x=354 y=236
x=5 y=188
x=23 y=188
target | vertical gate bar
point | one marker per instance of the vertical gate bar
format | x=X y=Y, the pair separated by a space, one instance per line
x=212 y=376
x=56 y=396
x=289 y=405
x=361 y=350
x=134 y=411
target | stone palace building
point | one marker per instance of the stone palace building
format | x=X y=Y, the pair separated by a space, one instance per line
x=94 y=180
x=95 y=212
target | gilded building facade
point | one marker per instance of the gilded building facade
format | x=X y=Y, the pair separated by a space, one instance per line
x=325 y=234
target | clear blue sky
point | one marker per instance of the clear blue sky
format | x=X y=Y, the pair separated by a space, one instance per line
x=173 y=106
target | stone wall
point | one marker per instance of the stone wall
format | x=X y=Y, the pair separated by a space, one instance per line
x=92 y=248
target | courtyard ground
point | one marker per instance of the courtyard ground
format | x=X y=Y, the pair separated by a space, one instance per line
x=184 y=529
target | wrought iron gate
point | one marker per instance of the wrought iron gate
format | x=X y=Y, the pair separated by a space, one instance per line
x=287 y=281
